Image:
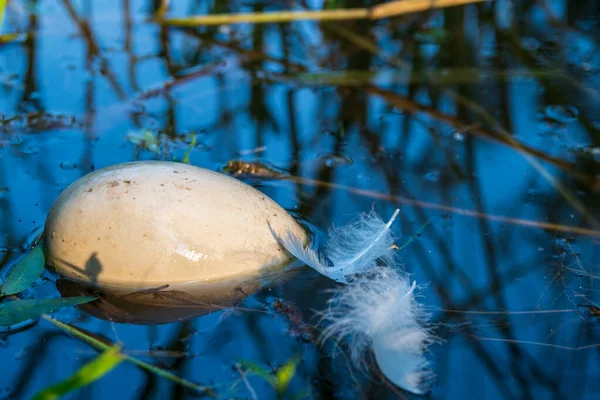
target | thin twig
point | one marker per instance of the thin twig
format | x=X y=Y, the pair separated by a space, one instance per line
x=396 y=199
x=150 y=353
x=94 y=48
x=268 y=17
x=557 y=346
x=405 y=104
x=509 y=312
x=245 y=380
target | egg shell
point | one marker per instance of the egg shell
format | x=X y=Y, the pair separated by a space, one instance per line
x=143 y=225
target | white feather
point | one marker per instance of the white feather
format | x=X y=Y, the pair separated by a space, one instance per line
x=351 y=249
x=379 y=310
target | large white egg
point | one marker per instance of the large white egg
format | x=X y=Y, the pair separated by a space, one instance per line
x=143 y=225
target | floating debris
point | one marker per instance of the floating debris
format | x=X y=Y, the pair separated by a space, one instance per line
x=298 y=328
x=67 y=166
x=432 y=176
x=334 y=160
x=562 y=113
x=31 y=149
x=458 y=136
x=145 y=139
x=37 y=121
x=247 y=168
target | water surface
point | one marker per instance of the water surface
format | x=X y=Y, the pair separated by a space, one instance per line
x=481 y=119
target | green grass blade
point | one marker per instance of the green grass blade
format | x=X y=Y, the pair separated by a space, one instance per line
x=15 y=311
x=207 y=391
x=413 y=237
x=25 y=272
x=86 y=375
x=280 y=380
x=186 y=159
x=259 y=371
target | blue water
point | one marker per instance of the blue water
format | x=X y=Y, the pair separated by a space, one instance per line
x=510 y=299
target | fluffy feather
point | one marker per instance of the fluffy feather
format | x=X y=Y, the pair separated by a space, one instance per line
x=379 y=310
x=351 y=249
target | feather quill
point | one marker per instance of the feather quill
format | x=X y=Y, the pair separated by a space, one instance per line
x=379 y=310
x=350 y=250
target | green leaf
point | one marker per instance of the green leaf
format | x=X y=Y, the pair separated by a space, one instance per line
x=2 y=8
x=281 y=379
x=24 y=274
x=10 y=37
x=86 y=375
x=285 y=374
x=13 y=312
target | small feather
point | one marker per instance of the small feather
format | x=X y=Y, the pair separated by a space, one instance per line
x=379 y=311
x=307 y=255
x=355 y=247
x=351 y=249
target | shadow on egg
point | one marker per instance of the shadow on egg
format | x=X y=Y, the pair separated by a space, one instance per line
x=159 y=305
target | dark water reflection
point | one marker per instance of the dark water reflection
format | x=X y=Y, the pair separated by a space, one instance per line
x=480 y=118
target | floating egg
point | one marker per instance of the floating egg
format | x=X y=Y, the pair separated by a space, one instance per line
x=166 y=234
